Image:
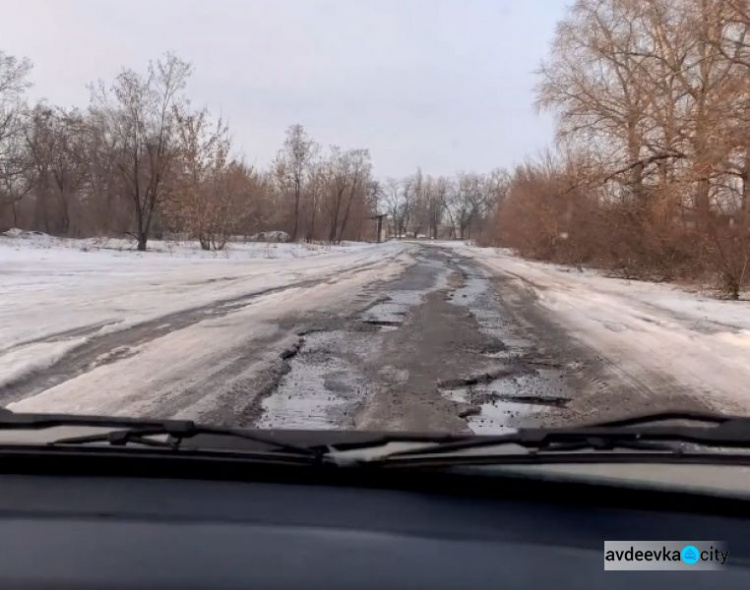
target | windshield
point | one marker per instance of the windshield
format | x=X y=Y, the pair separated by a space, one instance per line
x=428 y=217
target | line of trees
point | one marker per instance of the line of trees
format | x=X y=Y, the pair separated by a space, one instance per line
x=140 y=160
x=452 y=207
x=651 y=172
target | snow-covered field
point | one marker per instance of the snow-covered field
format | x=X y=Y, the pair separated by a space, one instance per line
x=55 y=294
x=656 y=335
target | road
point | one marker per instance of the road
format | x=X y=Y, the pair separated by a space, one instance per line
x=437 y=350
x=420 y=338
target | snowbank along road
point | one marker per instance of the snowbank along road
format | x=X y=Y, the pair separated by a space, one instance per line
x=400 y=336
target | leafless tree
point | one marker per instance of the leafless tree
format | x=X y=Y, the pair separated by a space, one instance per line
x=13 y=84
x=348 y=173
x=55 y=143
x=393 y=205
x=294 y=167
x=197 y=199
x=140 y=113
x=653 y=98
x=467 y=202
x=596 y=81
x=436 y=195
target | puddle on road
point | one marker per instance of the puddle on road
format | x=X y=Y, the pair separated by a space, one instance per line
x=500 y=405
x=494 y=416
x=494 y=419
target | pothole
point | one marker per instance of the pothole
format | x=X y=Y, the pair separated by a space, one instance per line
x=479 y=298
x=383 y=324
x=532 y=383
x=322 y=389
x=390 y=312
x=325 y=384
x=499 y=404
x=489 y=376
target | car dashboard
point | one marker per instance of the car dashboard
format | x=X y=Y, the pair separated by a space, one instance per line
x=87 y=530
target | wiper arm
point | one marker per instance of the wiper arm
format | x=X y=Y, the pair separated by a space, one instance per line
x=633 y=434
x=643 y=419
x=137 y=431
x=636 y=433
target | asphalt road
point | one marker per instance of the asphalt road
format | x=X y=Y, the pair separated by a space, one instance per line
x=440 y=348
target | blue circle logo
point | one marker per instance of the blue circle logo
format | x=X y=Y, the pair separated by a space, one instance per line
x=690 y=554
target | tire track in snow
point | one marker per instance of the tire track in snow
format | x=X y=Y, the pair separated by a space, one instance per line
x=107 y=344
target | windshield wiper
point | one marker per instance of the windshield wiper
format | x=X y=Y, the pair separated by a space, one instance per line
x=136 y=431
x=638 y=433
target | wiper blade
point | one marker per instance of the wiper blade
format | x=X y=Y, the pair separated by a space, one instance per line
x=133 y=430
x=643 y=419
x=638 y=433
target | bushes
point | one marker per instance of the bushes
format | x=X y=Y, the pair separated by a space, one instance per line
x=651 y=98
x=548 y=216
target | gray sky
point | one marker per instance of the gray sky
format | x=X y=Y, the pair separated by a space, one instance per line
x=442 y=84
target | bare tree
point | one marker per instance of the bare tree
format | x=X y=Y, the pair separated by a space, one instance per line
x=467 y=202
x=408 y=203
x=348 y=174
x=293 y=165
x=55 y=143
x=317 y=177
x=360 y=170
x=437 y=198
x=140 y=112
x=653 y=169
x=197 y=195
x=733 y=42
x=596 y=81
x=108 y=207
x=338 y=170
x=13 y=84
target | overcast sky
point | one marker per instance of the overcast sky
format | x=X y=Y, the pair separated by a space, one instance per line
x=442 y=84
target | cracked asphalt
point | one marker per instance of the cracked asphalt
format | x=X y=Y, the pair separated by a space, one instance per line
x=444 y=347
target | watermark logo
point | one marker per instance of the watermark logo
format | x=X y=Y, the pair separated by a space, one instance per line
x=665 y=555
x=690 y=554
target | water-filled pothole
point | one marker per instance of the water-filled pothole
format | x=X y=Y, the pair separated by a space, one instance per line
x=499 y=404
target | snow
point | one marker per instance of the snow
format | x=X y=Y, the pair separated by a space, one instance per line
x=657 y=335
x=20 y=361
x=189 y=373
x=57 y=293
